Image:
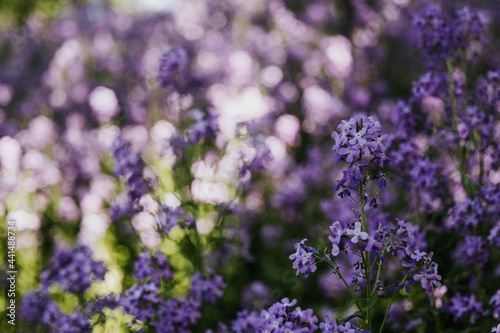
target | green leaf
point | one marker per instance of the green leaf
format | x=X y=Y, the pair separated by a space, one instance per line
x=358 y=314
x=469 y=186
x=364 y=302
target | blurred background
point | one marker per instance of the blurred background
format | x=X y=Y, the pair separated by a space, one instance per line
x=237 y=134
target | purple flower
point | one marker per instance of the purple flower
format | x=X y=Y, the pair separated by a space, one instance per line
x=74 y=270
x=205 y=126
x=337 y=233
x=130 y=167
x=441 y=36
x=417 y=255
x=357 y=233
x=152 y=266
x=206 y=287
x=304 y=258
x=173 y=71
x=473 y=251
x=495 y=302
x=355 y=137
x=372 y=243
x=494 y=236
x=428 y=278
x=169 y=217
x=461 y=306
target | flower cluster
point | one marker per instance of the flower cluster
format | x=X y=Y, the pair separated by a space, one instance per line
x=464 y=306
x=169 y=217
x=152 y=266
x=427 y=276
x=129 y=166
x=442 y=36
x=344 y=238
x=73 y=270
x=355 y=140
x=145 y=301
x=204 y=126
x=471 y=212
x=173 y=71
x=303 y=258
x=472 y=252
x=236 y=128
x=280 y=317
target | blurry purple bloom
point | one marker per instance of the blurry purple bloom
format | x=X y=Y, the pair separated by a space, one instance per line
x=154 y=267
x=495 y=302
x=372 y=243
x=74 y=270
x=417 y=255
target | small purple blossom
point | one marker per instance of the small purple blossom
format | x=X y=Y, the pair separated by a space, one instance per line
x=357 y=233
x=304 y=258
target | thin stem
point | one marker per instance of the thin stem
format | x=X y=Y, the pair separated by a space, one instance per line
x=438 y=321
x=366 y=259
x=340 y=275
x=380 y=264
x=385 y=316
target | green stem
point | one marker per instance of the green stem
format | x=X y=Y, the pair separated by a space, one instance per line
x=380 y=264
x=438 y=321
x=385 y=316
x=366 y=259
x=340 y=275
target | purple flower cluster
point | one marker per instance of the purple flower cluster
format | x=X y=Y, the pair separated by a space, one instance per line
x=303 y=258
x=428 y=275
x=442 y=36
x=429 y=84
x=173 y=71
x=129 y=166
x=206 y=287
x=466 y=307
x=170 y=217
x=152 y=266
x=343 y=238
x=204 y=126
x=280 y=317
x=471 y=212
x=73 y=270
x=145 y=301
x=473 y=251
x=330 y=326
x=489 y=89
x=355 y=140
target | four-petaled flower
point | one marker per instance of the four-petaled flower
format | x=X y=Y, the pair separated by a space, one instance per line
x=357 y=233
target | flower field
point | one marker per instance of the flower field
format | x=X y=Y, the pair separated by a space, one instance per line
x=216 y=166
